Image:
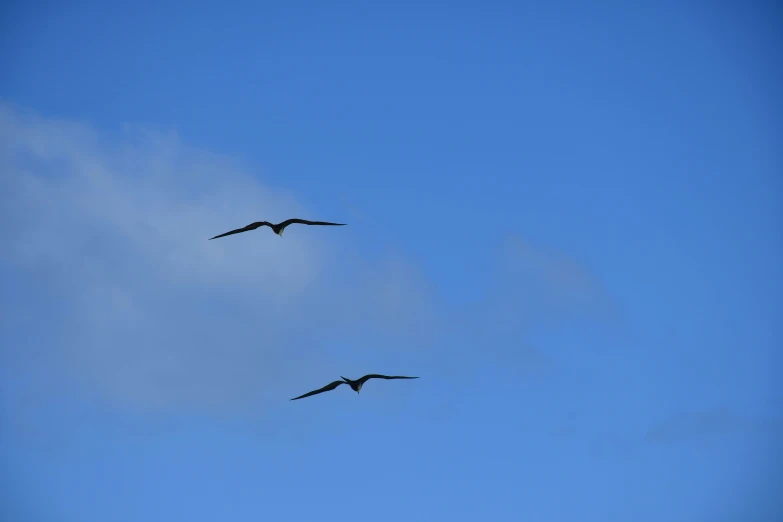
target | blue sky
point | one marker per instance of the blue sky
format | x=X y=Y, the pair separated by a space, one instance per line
x=566 y=219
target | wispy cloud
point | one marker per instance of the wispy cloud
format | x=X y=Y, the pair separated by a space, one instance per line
x=534 y=292
x=544 y=285
x=686 y=426
x=141 y=307
x=148 y=310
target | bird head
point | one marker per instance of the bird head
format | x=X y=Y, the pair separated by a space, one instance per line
x=351 y=384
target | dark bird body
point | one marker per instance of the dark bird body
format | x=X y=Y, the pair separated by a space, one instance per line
x=355 y=385
x=278 y=228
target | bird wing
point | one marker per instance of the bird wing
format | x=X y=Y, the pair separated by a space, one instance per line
x=251 y=226
x=328 y=387
x=305 y=222
x=376 y=376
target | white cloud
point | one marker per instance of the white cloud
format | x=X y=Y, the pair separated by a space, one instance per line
x=152 y=313
x=142 y=307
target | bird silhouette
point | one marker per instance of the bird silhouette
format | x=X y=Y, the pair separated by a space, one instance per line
x=355 y=385
x=278 y=228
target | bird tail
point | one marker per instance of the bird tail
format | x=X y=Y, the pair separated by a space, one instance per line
x=346 y=380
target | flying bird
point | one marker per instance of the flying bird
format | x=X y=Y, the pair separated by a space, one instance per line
x=355 y=385
x=277 y=229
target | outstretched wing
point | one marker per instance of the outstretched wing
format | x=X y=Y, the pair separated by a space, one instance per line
x=376 y=376
x=251 y=226
x=328 y=387
x=305 y=222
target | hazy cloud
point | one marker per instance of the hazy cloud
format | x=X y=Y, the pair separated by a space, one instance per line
x=107 y=233
x=550 y=286
x=148 y=310
x=536 y=291
x=698 y=425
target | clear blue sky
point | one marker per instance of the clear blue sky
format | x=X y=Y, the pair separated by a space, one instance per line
x=566 y=219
